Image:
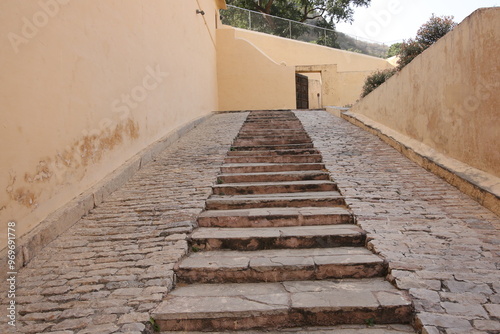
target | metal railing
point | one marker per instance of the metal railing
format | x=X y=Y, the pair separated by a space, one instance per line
x=269 y=24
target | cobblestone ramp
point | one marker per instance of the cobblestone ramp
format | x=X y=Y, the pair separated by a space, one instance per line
x=442 y=246
x=106 y=273
x=278 y=250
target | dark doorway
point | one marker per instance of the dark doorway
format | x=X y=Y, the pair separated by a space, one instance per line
x=302 y=91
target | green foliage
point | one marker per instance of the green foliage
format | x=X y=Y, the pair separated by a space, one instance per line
x=370 y=322
x=428 y=34
x=409 y=50
x=376 y=79
x=373 y=49
x=431 y=31
x=303 y=10
x=355 y=50
x=320 y=13
x=394 y=50
x=153 y=323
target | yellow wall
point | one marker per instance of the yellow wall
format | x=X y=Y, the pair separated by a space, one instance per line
x=249 y=79
x=314 y=90
x=447 y=98
x=294 y=53
x=85 y=85
x=343 y=72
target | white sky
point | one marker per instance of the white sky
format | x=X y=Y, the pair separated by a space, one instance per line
x=391 y=21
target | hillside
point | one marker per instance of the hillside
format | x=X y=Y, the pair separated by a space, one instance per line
x=349 y=43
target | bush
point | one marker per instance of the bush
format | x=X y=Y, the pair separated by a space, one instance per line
x=431 y=31
x=394 y=50
x=409 y=50
x=428 y=34
x=376 y=79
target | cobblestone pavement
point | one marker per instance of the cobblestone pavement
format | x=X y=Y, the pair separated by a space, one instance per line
x=110 y=269
x=441 y=244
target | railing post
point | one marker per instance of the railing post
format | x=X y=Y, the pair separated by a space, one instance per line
x=290 y=28
x=249 y=20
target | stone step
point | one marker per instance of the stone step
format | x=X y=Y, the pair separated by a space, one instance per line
x=273 y=187
x=270 y=132
x=275 y=152
x=341 y=329
x=273 y=125
x=242 y=306
x=308 y=158
x=270 y=167
x=271 y=141
x=279 y=265
x=275 y=217
x=249 y=239
x=314 y=199
x=273 y=177
x=273 y=136
x=270 y=147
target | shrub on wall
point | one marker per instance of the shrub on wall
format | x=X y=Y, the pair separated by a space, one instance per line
x=428 y=34
x=409 y=50
x=376 y=79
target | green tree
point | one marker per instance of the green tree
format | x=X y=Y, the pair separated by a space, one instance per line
x=410 y=49
x=303 y=10
x=394 y=50
x=428 y=34
x=431 y=31
x=376 y=79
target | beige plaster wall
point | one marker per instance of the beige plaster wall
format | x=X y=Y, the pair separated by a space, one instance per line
x=248 y=79
x=447 y=98
x=85 y=85
x=343 y=72
x=314 y=90
x=294 y=53
x=350 y=85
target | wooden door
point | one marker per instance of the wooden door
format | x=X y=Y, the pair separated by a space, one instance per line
x=302 y=91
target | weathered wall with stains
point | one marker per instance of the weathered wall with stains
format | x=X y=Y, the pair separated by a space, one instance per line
x=447 y=98
x=85 y=85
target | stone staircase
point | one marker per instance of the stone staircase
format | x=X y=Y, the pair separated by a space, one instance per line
x=278 y=248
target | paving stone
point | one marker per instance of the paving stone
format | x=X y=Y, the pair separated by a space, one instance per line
x=109 y=248
x=267 y=217
x=465 y=310
x=417 y=221
x=273 y=176
x=273 y=187
x=279 y=265
x=341 y=329
x=271 y=167
x=309 y=199
x=98 y=329
x=77 y=323
x=394 y=199
x=493 y=310
x=76 y=313
x=268 y=304
x=487 y=325
x=283 y=237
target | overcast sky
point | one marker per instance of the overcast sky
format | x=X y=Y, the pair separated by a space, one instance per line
x=391 y=21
